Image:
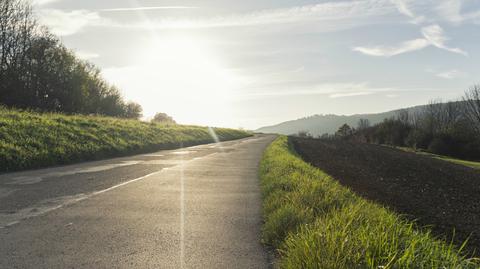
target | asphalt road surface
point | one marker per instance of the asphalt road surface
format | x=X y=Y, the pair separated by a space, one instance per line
x=197 y=207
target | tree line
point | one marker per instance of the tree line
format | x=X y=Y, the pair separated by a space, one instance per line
x=451 y=128
x=38 y=72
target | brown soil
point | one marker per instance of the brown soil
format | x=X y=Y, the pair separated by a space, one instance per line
x=436 y=193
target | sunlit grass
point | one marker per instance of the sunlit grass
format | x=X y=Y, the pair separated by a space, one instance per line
x=32 y=140
x=314 y=222
x=472 y=164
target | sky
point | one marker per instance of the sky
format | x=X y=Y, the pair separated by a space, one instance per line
x=253 y=63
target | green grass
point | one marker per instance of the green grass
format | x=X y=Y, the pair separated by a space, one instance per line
x=314 y=222
x=471 y=164
x=33 y=140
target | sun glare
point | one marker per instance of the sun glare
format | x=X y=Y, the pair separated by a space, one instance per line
x=191 y=83
x=189 y=69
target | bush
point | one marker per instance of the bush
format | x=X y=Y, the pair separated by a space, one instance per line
x=440 y=145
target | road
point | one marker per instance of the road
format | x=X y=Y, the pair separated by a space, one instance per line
x=197 y=207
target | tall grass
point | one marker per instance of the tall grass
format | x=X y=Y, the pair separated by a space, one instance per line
x=33 y=140
x=314 y=222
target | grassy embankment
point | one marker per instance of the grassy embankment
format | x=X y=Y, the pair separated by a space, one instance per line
x=314 y=222
x=32 y=140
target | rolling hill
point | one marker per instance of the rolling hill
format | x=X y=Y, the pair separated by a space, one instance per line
x=320 y=124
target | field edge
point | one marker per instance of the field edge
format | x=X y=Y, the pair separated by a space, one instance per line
x=314 y=222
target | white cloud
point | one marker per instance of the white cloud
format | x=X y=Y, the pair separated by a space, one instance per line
x=391 y=95
x=86 y=55
x=332 y=90
x=43 y=2
x=403 y=8
x=332 y=15
x=67 y=23
x=433 y=36
x=147 y=8
x=436 y=37
x=350 y=94
x=385 y=51
x=451 y=74
x=450 y=10
x=325 y=12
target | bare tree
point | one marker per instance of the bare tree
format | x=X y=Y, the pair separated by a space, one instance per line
x=452 y=113
x=432 y=116
x=17 y=29
x=404 y=116
x=472 y=106
x=363 y=124
x=38 y=71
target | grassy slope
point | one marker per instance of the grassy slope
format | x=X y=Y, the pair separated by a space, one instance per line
x=32 y=140
x=314 y=222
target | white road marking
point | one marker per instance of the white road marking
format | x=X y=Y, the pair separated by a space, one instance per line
x=154 y=155
x=183 y=152
x=27 y=180
x=8 y=220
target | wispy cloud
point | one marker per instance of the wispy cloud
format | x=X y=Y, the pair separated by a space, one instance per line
x=332 y=15
x=43 y=2
x=350 y=94
x=431 y=11
x=385 y=51
x=147 y=8
x=86 y=55
x=332 y=90
x=67 y=23
x=452 y=11
x=451 y=74
x=391 y=95
x=404 y=8
x=433 y=35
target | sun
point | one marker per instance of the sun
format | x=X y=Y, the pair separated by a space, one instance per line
x=181 y=76
x=187 y=66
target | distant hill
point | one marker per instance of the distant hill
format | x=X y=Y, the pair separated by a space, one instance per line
x=320 y=124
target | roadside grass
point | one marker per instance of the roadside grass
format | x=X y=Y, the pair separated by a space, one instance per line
x=314 y=222
x=33 y=140
x=471 y=164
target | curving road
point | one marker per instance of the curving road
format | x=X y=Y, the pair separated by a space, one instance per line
x=197 y=207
